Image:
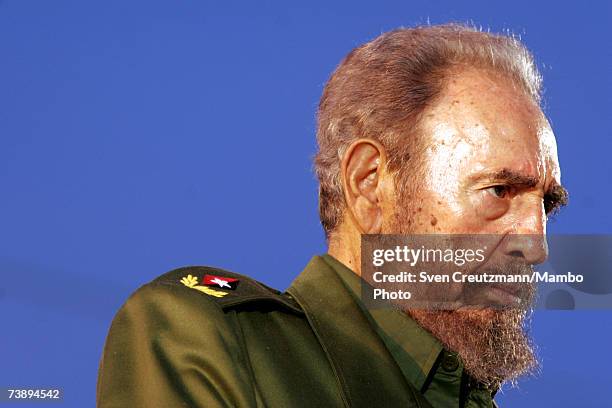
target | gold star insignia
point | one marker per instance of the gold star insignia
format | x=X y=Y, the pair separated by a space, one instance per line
x=192 y=282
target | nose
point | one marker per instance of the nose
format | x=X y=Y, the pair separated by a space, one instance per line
x=527 y=239
x=530 y=249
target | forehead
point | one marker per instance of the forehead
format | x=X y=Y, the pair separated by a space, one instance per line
x=483 y=121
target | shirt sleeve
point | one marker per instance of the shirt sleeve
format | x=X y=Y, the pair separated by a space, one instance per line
x=171 y=346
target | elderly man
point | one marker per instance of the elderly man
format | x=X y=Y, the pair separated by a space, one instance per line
x=427 y=130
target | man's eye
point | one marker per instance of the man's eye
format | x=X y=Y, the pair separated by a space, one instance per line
x=499 y=191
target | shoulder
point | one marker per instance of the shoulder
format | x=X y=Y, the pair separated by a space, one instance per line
x=184 y=305
x=217 y=288
x=181 y=329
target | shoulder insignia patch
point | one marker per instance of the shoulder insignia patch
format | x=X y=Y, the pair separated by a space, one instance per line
x=229 y=289
x=220 y=281
x=192 y=282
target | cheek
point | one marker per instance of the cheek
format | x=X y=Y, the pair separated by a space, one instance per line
x=408 y=219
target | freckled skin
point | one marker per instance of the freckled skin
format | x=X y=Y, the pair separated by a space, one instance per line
x=480 y=124
x=481 y=136
x=434 y=220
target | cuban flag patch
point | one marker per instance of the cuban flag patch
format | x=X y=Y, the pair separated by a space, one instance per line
x=220 y=282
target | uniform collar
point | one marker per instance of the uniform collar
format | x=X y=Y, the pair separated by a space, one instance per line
x=435 y=372
x=366 y=372
x=415 y=350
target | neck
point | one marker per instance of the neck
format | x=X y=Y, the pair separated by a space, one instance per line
x=346 y=248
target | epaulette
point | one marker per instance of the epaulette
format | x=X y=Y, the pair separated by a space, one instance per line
x=227 y=289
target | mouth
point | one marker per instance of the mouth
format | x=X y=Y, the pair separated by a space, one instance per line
x=503 y=295
x=497 y=295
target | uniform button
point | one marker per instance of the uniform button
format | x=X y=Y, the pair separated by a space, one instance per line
x=450 y=362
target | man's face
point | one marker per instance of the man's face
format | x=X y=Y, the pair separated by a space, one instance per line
x=488 y=163
x=488 y=166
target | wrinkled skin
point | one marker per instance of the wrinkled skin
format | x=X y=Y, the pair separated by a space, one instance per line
x=490 y=165
x=487 y=164
x=481 y=126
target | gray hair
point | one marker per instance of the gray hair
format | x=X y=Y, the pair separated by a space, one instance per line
x=381 y=88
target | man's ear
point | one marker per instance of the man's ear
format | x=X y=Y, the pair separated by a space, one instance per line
x=362 y=167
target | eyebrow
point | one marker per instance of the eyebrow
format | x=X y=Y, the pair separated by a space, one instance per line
x=509 y=177
x=554 y=198
x=515 y=178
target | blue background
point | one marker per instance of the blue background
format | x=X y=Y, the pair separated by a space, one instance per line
x=139 y=136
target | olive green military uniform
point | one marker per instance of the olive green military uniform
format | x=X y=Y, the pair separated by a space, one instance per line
x=186 y=341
